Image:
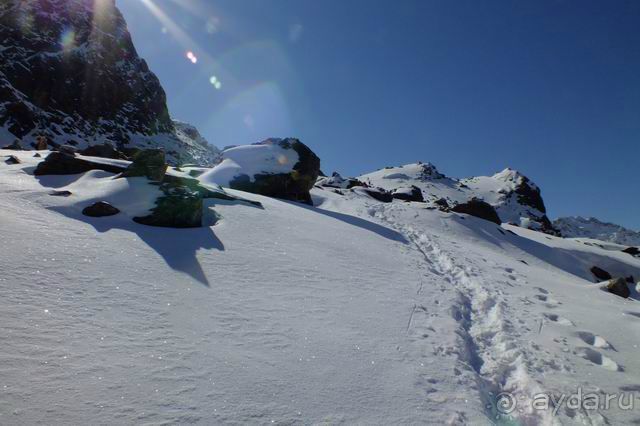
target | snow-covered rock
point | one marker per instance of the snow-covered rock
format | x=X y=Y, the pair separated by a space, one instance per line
x=69 y=73
x=281 y=168
x=516 y=199
x=580 y=227
x=337 y=181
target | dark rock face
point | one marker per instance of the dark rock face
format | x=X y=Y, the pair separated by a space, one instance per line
x=58 y=163
x=75 y=59
x=100 y=209
x=529 y=195
x=69 y=73
x=633 y=251
x=378 y=194
x=293 y=186
x=149 y=163
x=618 y=287
x=600 y=274
x=408 y=194
x=12 y=159
x=442 y=204
x=105 y=150
x=40 y=144
x=478 y=208
x=67 y=149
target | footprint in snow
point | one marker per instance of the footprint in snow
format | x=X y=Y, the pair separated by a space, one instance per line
x=598 y=359
x=545 y=296
x=594 y=340
x=559 y=320
x=541 y=297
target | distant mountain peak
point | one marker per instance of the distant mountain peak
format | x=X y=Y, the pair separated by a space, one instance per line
x=514 y=196
x=581 y=227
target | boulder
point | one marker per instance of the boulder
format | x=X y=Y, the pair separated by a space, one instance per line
x=178 y=208
x=60 y=193
x=280 y=168
x=619 y=287
x=105 y=150
x=337 y=181
x=100 y=209
x=412 y=193
x=378 y=194
x=633 y=251
x=41 y=144
x=600 y=274
x=59 y=163
x=148 y=163
x=67 y=149
x=478 y=208
x=182 y=203
x=37 y=155
x=15 y=146
x=442 y=204
x=12 y=159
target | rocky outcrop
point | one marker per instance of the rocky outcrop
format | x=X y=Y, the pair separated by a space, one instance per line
x=69 y=73
x=412 y=193
x=633 y=251
x=337 y=181
x=182 y=203
x=150 y=163
x=478 y=208
x=377 y=194
x=581 y=227
x=179 y=207
x=105 y=150
x=279 y=168
x=619 y=287
x=515 y=198
x=12 y=159
x=600 y=274
x=40 y=144
x=442 y=204
x=100 y=209
x=60 y=163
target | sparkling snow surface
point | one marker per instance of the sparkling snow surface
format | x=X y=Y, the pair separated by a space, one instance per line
x=352 y=311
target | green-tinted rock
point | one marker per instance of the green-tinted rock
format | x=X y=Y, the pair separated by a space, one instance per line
x=178 y=208
x=150 y=163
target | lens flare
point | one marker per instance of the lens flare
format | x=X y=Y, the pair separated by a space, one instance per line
x=192 y=57
x=67 y=39
x=215 y=82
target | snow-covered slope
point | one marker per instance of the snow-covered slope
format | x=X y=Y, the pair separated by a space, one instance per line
x=516 y=199
x=580 y=227
x=352 y=311
x=69 y=73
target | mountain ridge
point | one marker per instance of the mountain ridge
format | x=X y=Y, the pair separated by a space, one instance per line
x=591 y=227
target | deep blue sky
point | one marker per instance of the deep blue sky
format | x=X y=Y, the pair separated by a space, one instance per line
x=551 y=88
